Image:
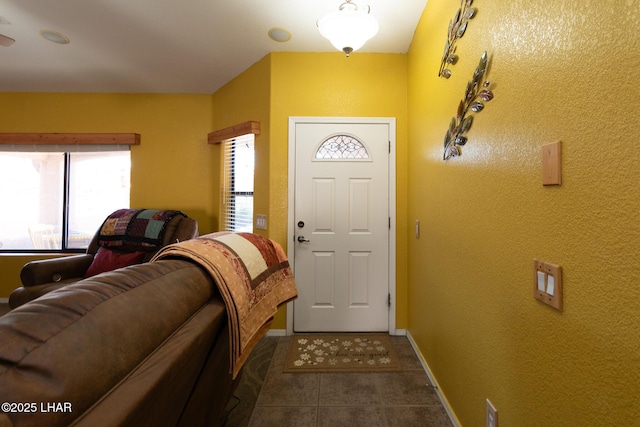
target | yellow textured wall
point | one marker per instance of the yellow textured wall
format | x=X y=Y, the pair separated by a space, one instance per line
x=170 y=168
x=246 y=98
x=329 y=84
x=562 y=70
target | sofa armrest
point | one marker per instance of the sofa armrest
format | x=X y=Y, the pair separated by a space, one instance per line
x=187 y=229
x=55 y=270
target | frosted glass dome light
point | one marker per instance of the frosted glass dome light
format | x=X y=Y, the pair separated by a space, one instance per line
x=349 y=28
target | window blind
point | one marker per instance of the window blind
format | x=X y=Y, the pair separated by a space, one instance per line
x=237 y=178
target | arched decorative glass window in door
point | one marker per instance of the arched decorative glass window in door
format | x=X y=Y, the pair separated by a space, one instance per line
x=342 y=147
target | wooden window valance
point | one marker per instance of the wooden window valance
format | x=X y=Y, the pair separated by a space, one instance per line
x=234 y=131
x=70 y=138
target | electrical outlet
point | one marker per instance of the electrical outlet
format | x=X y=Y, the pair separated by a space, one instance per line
x=492 y=415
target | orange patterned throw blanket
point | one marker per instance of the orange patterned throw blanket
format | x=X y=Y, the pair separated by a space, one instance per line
x=253 y=276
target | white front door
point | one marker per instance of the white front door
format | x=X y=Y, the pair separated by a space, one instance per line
x=341 y=227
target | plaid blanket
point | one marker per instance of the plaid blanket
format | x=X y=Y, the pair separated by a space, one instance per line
x=253 y=276
x=135 y=229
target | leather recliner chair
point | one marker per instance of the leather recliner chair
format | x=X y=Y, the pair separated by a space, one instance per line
x=43 y=276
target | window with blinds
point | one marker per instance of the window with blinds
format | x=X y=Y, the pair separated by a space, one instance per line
x=237 y=178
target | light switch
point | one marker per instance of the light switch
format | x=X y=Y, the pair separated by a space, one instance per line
x=417 y=229
x=547 y=283
x=551 y=284
x=261 y=222
x=541 y=285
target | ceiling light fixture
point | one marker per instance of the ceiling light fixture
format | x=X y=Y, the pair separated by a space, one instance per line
x=55 y=37
x=280 y=34
x=349 y=28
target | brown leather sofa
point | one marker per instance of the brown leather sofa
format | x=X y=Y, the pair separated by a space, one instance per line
x=145 y=345
x=43 y=276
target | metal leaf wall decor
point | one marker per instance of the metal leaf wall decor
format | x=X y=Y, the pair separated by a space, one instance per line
x=475 y=97
x=457 y=28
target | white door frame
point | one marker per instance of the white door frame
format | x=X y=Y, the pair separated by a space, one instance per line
x=391 y=121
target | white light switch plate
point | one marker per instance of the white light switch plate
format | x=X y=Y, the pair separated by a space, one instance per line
x=261 y=222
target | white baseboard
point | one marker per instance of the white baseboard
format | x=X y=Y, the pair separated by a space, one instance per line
x=4 y=300
x=283 y=333
x=427 y=370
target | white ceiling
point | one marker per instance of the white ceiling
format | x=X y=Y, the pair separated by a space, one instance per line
x=169 y=46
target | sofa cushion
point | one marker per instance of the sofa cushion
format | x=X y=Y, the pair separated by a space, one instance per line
x=107 y=260
x=92 y=335
x=157 y=391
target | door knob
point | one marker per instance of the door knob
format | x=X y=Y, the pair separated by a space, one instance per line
x=301 y=239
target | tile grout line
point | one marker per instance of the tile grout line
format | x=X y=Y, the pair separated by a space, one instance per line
x=318 y=400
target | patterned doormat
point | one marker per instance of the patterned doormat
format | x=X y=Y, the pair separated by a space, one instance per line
x=341 y=353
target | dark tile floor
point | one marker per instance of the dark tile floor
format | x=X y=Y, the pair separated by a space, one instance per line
x=354 y=399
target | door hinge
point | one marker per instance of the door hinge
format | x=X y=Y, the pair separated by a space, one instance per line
x=389 y=223
x=389 y=147
x=389 y=300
